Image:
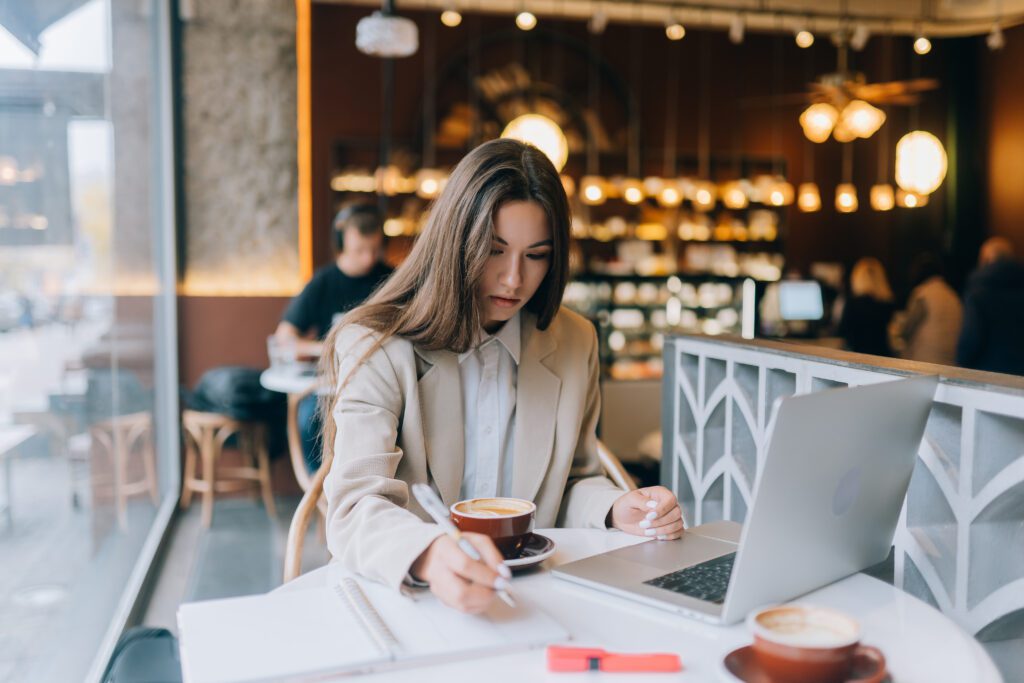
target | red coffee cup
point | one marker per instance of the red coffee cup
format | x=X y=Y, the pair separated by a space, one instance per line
x=807 y=644
x=508 y=521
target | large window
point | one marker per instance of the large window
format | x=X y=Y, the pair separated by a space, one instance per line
x=88 y=436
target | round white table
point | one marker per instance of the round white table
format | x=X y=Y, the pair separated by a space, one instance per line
x=290 y=379
x=920 y=643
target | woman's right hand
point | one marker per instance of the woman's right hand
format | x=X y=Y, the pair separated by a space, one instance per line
x=458 y=581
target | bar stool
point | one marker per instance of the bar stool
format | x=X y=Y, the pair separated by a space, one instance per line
x=205 y=434
x=126 y=439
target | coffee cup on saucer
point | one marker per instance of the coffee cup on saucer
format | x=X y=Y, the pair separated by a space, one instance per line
x=808 y=644
x=508 y=521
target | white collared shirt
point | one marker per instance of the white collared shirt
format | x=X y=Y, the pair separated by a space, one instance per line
x=489 y=376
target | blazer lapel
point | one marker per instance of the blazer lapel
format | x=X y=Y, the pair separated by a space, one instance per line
x=536 y=410
x=440 y=392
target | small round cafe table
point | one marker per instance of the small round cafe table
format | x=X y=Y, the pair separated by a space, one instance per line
x=921 y=644
x=290 y=379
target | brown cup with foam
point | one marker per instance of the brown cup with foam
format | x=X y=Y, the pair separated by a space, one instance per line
x=807 y=644
x=508 y=521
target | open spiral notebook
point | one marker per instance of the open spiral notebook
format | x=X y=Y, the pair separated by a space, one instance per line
x=354 y=627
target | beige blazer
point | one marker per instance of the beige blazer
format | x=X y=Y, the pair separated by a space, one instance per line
x=399 y=422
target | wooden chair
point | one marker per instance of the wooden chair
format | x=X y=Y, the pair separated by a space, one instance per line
x=204 y=436
x=124 y=440
x=313 y=500
x=295 y=452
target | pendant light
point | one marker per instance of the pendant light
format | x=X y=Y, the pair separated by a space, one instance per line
x=429 y=180
x=703 y=193
x=846 y=193
x=882 y=196
x=593 y=190
x=666 y=190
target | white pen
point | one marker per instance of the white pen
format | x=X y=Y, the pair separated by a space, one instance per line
x=429 y=501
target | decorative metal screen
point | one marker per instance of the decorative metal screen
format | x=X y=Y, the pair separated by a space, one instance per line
x=959 y=544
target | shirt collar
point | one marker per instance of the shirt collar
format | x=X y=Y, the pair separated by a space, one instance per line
x=508 y=336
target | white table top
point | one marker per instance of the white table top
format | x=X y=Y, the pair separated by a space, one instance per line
x=289 y=379
x=11 y=436
x=919 y=642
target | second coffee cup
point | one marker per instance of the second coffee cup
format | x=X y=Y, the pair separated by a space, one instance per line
x=508 y=521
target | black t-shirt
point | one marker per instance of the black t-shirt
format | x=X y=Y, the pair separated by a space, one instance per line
x=328 y=293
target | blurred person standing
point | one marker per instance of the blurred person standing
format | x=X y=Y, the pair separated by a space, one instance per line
x=993 y=332
x=934 y=314
x=868 y=310
x=334 y=290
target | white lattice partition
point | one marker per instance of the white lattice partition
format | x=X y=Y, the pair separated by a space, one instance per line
x=960 y=541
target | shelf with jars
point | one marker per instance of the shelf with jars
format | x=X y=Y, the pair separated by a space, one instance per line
x=635 y=313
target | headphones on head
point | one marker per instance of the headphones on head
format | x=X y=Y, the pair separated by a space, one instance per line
x=346 y=214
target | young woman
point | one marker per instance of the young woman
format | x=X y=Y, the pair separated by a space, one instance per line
x=868 y=310
x=464 y=371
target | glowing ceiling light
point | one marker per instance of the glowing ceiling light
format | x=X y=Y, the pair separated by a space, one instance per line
x=861 y=119
x=804 y=38
x=734 y=196
x=818 y=120
x=632 y=190
x=808 y=198
x=995 y=39
x=922 y=45
x=910 y=200
x=670 y=196
x=736 y=30
x=526 y=20
x=451 y=17
x=592 y=190
x=920 y=162
x=882 y=197
x=542 y=133
x=673 y=29
x=703 y=195
x=846 y=198
x=781 y=193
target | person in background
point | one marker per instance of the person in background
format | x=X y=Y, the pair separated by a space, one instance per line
x=934 y=314
x=334 y=290
x=868 y=310
x=465 y=372
x=993 y=332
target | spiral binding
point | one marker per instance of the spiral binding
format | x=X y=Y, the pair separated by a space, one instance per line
x=350 y=592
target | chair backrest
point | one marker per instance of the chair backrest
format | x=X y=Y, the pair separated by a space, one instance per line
x=295 y=438
x=313 y=498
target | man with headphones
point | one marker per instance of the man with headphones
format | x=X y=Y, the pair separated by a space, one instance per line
x=333 y=290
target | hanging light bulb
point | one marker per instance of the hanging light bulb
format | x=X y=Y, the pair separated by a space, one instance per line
x=451 y=17
x=736 y=30
x=598 y=22
x=781 y=193
x=673 y=29
x=861 y=119
x=703 y=195
x=593 y=190
x=734 y=195
x=846 y=198
x=429 y=182
x=804 y=38
x=920 y=162
x=843 y=132
x=882 y=197
x=652 y=185
x=670 y=195
x=808 y=198
x=910 y=200
x=631 y=190
x=860 y=37
x=995 y=39
x=922 y=45
x=526 y=21
x=818 y=120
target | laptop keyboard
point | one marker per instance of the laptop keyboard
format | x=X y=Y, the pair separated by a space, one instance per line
x=705 y=581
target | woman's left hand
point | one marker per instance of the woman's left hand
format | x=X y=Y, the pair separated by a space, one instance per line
x=652 y=511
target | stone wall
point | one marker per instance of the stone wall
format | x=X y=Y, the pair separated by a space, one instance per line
x=239 y=120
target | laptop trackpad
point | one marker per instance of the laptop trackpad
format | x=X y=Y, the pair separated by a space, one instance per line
x=692 y=548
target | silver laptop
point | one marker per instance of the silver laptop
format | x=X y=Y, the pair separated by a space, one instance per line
x=826 y=505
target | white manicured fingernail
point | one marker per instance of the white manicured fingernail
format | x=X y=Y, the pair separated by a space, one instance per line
x=501 y=584
x=504 y=570
x=644 y=523
x=650 y=532
x=652 y=514
x=662 y=537
x=652 y=503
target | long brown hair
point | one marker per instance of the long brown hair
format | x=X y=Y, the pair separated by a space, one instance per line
x=868 y=278
x=431 y=299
